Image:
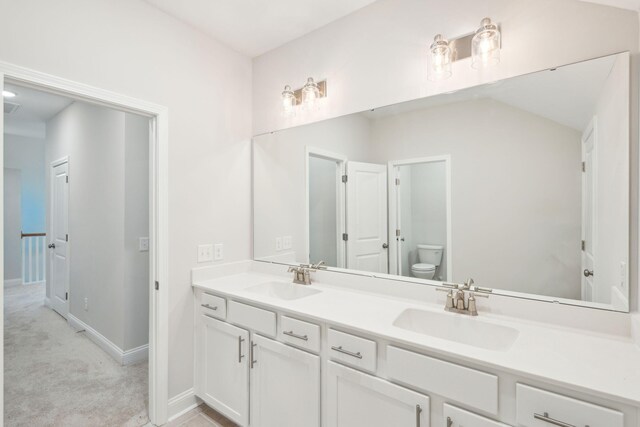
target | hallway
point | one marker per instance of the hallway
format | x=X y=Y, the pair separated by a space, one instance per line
x=55 y=376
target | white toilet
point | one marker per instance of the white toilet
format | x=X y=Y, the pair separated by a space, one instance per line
x=429 y=257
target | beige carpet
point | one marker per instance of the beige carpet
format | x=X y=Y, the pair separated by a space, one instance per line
x=54 y=376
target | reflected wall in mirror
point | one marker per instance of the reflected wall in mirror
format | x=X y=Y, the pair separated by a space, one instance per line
x=522 y=184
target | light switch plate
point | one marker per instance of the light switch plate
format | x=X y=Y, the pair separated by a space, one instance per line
x=286 y=242
x=143 y=244
x=218 y=253
x=278 y=243
x=205 y=253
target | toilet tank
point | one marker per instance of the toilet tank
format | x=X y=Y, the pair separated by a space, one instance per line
x=430 y=254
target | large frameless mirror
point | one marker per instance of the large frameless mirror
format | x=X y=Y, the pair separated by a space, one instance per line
x=522 y=184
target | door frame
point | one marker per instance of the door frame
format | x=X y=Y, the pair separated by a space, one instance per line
x=158 y=217
x=49 y=222
x=394 y=218
x=341 y=205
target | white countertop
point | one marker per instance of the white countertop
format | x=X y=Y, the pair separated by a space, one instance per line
x=596 y=364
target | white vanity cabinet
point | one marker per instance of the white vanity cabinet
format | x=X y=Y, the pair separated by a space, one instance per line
x=285 y=385
x=356 y=399
x=222 y=375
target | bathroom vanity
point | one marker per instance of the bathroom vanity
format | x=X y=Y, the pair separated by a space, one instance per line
x=273 y=353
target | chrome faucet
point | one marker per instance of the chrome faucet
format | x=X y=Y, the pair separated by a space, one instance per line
x=302 y=273
x=456 y=302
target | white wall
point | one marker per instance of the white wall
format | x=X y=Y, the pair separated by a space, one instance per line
x=136 y=225
x=132 y=48
x=507 y=214
x=323 y=205
x=12 y=224
x=280 y=179
x=612 y=185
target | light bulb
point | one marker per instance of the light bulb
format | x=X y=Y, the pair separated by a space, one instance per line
x=310 y=94
x=439 y=59
x=485 y=45
x=288 y=100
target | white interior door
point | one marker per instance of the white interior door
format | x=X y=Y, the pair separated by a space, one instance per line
x=59 y=243
x=367 y=245
x=588 y=213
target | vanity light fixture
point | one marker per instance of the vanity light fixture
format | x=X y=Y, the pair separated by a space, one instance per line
x=307 y=96
x=439 y=59
x=8 y=94
x=483 y=46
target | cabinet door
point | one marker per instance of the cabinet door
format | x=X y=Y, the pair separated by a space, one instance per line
x=285 y=385
x=222 y=374
x=355 y=399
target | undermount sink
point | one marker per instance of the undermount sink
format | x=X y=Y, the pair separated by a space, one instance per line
x=457 y=328
x=283 y=290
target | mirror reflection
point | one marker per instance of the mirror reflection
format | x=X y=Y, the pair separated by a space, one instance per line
x=521 y=184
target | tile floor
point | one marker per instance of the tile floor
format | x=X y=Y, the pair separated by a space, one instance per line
x=202 y=416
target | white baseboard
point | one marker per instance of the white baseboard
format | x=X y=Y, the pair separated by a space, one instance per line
x=182 y=403
x=13 y=282
x=123 y=357
x=40 y=282
x=135 y=355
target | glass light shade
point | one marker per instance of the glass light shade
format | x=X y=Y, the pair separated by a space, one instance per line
x=288 y=100
x=485 y=45
x=439 y=59
x=310 y=93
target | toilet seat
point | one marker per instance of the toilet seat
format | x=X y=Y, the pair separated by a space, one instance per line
x=423 y=267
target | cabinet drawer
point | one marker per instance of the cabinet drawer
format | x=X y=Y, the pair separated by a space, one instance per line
x=456 y=417
x=299 y=333
x=257 y=319
x=533 y=404
x=213 y=306
x=465 y=385
x=352 y=350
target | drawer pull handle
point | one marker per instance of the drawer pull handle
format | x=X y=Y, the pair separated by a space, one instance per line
x=240 y=355
x=253 y=361
x=210 y=307
x=546 y=418
x=418 y=413
x=300 y=337
x=347 y=352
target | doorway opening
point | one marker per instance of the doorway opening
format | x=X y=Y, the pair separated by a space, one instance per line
x=66 y=204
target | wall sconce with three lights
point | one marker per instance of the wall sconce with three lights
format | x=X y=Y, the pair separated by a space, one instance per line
x=483 y=47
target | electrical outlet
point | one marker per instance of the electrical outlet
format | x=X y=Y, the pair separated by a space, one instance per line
x=278 y=243
x=86 y=304
x=286 y=242
x=218 y=253
x=623 y=274
x=205 y=253
x=143 y=244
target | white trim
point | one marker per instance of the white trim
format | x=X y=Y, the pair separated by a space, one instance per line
x=41 y=282
x=13 y=282
x=393 y=210
x=135 y=355
x=159 y=225
x=183 y=403
x=123 y=357
x=95 y=336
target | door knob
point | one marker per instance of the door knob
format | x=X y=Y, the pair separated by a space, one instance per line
x=587 y=273
x=52 y=246
x=385 y=246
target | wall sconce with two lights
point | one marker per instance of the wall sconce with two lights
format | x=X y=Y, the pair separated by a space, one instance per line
x=307 y=96
x=483 y=47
